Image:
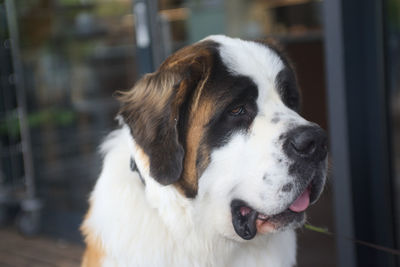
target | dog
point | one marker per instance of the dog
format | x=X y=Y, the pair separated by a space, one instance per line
x=212 y=164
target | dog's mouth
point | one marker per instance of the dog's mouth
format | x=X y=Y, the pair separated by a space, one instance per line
x=247 y=221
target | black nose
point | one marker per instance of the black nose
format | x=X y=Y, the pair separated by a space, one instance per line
x=306 y=142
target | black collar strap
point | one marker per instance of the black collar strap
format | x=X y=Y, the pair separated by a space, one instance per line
x=134 y=168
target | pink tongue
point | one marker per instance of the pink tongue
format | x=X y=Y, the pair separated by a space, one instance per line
x=302 y=202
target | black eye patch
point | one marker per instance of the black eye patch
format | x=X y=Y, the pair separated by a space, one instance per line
x=286 y=85
x=236 y=114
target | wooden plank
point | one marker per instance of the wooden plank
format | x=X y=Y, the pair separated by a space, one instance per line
x=33 y=252
x=13 y=258
x=10 y=260
x=45 y=243
x=60 y=249
x=18 y=251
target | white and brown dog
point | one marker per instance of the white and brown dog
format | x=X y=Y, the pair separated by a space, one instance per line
x=212 y=165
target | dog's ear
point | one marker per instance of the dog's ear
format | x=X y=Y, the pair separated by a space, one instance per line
x=157 y=106
x=148 y=110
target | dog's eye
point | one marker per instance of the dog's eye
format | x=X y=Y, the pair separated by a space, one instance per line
x=237 y=111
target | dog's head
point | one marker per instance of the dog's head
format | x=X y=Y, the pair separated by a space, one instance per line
x=218 y=121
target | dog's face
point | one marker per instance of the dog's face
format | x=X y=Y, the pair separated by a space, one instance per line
x=218 y=121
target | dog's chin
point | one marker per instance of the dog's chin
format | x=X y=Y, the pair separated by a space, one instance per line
x=247 y=221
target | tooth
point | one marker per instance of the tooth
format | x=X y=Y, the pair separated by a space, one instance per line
x=262 y=216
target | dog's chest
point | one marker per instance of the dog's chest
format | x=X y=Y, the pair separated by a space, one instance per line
x=134 y=233
x=179 y=257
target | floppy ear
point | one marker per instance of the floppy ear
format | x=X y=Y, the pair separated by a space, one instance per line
x=148 y=109
x=158 y=106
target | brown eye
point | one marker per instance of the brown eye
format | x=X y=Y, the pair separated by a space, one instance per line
x=240 y=110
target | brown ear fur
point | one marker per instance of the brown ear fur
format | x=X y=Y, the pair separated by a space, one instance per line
x=147 y=110
x=152 y=109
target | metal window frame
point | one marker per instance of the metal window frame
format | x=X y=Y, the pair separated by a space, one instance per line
x=338 y=130
x=152 y=35
x=359 y=130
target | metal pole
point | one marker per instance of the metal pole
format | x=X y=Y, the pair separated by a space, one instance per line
x=339 y=132
x=144 y=55
x=155 y=32
x=21 y=98
x=152 y=35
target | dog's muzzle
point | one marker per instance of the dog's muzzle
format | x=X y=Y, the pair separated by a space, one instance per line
x=306 y=150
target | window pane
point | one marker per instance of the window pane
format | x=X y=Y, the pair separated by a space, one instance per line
x=393 y=74
x=75 y=54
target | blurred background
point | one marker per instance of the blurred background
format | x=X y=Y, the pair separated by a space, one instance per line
x=61 y=61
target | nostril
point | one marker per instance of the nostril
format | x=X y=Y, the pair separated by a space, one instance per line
x=305 y=147
x=304 y=143
x=308 y=142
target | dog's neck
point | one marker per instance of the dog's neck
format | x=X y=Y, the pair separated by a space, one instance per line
x=139 y=164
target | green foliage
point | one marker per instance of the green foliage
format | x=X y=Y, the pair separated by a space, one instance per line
x=393 y=11
x=58 y=117
x=108 y=9
x=70 y=2
x=317 y=229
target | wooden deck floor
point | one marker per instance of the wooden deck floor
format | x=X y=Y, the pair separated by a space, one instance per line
x=19 y=251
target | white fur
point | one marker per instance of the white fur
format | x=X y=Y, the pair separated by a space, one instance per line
x=155 y=225
x=250 y=157
x=158 y=223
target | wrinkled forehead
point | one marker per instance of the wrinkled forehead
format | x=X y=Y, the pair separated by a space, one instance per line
x=254 y=60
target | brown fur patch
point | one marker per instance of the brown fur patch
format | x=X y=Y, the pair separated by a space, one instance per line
x=144 y=159
x=197 y=154
x=94 y=252
x=148 y=111
x=170 y=98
